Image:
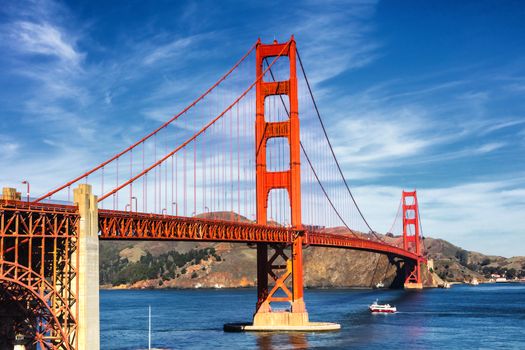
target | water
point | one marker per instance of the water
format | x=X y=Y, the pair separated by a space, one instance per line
x=463 y=317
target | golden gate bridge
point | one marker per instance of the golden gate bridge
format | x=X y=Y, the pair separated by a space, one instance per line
x=206 y=174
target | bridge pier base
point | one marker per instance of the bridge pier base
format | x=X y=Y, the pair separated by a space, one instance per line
x=413 y=286
x=287 y=288
x=413 y=279
x=88 y=274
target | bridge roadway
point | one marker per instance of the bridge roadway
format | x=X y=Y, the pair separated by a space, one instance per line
x=125 y=225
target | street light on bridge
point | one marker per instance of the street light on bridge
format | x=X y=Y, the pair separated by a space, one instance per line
x=176 y=208
x=136 y=205
x=25 y=182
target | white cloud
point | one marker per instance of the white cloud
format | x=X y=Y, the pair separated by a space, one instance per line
x=43 y=38
x=8 y=149
x=175 y=48
x=371 y=139
x=345 y=42
x=490 y=147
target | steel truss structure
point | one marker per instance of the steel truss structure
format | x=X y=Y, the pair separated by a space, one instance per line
x=38 y=270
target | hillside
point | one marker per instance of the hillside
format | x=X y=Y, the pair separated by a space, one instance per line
x=216 y=265
x=455 y=264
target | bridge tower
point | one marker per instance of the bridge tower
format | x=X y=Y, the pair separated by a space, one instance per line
x=289 y=180
x=411 y=239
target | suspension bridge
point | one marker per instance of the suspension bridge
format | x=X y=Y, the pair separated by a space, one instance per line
x=248 y=161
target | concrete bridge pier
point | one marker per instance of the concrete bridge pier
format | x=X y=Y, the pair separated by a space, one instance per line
x=88 y=275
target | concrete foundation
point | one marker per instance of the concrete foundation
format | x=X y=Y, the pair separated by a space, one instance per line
x=281 y=321
x=413 y=286
x=278 y=318
x=88 y=274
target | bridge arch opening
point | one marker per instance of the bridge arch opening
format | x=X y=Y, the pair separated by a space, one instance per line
x=277 y=108
x=278 y=154
x=25 y=317
x=279 y=71
x=279 y=210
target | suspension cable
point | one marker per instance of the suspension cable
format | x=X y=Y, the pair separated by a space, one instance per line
x=325 y=193
x=202 y=130
x=312 y=167
x=331 y=148
x=421 y=228
x=395 y=218
x=118 y=155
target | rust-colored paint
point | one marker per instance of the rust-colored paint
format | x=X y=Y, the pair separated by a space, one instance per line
x=289 y=179
x=38 y=255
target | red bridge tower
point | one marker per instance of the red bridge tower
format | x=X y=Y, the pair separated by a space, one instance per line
x=268 y=265
x=411 y=240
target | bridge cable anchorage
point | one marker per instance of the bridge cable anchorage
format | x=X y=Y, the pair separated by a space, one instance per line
x=331 y=148
x=313 y=169
x=195 y=135
x=163 y=126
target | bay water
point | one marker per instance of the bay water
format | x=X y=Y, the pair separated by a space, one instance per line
x=488 y=316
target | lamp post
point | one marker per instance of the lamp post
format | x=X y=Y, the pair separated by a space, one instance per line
x=127 y=206
x=25 y=182
x=164 y=211
x=136 y=206
x=176 y=208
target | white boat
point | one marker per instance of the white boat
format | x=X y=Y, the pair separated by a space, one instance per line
x=380 y=284
x=382 y=308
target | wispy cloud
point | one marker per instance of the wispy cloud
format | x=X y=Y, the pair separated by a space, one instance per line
x=176 y=48
x=372 y=139
x=346 y=29
x=44 y=39
x=8 y=150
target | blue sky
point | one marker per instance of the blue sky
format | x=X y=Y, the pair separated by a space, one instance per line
x=415 y=95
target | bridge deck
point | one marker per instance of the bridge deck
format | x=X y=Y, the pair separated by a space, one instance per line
x=125 y=225
x=117 y=225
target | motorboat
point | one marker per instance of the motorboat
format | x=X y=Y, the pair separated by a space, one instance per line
x=382 y=308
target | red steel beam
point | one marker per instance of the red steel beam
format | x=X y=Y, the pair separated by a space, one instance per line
x=125 y=225
x=140 y=226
